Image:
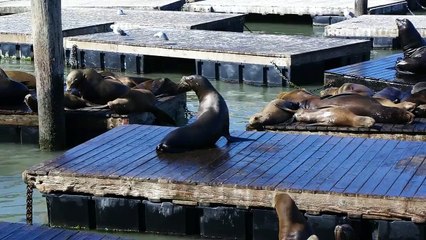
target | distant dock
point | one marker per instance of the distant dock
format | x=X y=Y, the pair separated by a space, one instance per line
x=381 y=29
x=229 y=56
x=298 y=7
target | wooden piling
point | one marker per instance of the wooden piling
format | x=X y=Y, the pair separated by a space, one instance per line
x=49 y=70
x=361 y=7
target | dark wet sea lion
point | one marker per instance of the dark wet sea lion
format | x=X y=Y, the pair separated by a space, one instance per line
x=211 y=124
x=292 y=224
x=25 y=78
x=414 y=47
x=333 y=116
x=95 y=88
x=348 y=88
x=364 y=106
x=11 y=92
x=140 y=100
x=275 y=112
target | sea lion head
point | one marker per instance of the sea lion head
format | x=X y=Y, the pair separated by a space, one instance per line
x=74 y=79
x=344 y=232
x=408 y=36
x=197 y=83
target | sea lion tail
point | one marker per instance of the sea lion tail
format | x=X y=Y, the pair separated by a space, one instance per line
x=163 y=118
x=232 y=139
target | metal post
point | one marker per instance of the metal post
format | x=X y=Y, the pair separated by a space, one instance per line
x=49 y=71
x=361 y=7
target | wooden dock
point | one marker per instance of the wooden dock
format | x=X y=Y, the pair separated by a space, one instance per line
x=19 y=6
x=298 y=7
x=375 y=74
x=381 y=29
x=229 y=56
x=15 y=30
x=23 y=231
x=368 y=178
x=415 y=131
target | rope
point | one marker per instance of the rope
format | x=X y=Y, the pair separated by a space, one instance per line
x=29 y=213
x=293 y=85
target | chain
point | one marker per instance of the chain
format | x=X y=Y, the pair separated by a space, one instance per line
x=29 y=214
x=293 y=85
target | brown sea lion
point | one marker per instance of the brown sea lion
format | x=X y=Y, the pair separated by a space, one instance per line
x=298 y=95
x=333 y=116
x=211 y=124
x=25 y=78
x=348 y=88
x=130 y=81
x=160 y=87
x=95 y=88
x=409 y=106
x=414 y=47
x=275 y=112
x=364 y=106
x=12 y=93
x=140 y=100
x=292 y=224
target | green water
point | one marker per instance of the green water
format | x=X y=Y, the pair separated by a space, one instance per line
x=243 y=101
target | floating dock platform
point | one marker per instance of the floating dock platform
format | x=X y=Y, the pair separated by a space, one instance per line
x=23 y=231
x=375 y=74
x=19 y=6
x=294 y=7
x=354 y=177
x=229 y=56
x=86 y=123
x=416 y=131
x=381 y=29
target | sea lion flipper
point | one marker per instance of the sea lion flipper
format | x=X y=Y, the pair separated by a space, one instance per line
x=287 y=106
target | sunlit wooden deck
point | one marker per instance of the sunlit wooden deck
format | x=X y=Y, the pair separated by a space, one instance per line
x=372 y=178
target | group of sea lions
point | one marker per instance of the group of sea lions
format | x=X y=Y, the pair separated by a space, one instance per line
x=352 y=105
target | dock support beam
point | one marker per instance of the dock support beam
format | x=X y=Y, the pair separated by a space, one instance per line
x=49 y=71
x=361 y=7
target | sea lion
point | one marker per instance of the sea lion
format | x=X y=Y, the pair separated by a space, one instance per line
x=344 y=232
x=418 y=98
x=298 y=95
x=292 y=224
x=409 y=106
x=392 y=93
x=160 y=87
x=348 y=88
x=363 y=106
x=275 y=112
x=12 y=93
x=25 y=78
x=333 y=116
x=95 y=88
x=140 y=100
x=414 y=47
x=211 y=124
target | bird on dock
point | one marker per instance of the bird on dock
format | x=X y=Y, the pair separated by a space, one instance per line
x=348 y=14
x=117 y=30
x=120 y=12
x=292 y=224
x=162 y=35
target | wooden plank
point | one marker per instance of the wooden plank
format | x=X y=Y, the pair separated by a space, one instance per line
x=415 y=182
x=359 y=165
x=371 y=166
x=340 y=144
x=393 y=167
x=52 y=233
x=410 y=166
x=96 y=153
x=111 y=158
x=8 y=229
x=399 y=152
x=27 y=232
x=29 y=120
x=346 y=165
x=288 y=146
x=208 y=173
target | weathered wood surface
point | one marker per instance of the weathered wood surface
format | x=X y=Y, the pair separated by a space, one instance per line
x=369 y=26
x=223 y=46
x=78 y=21
x=23 y=231
x=415 y=131
x=382 y=179
x=298 y=7
x=376 y=74
x=49 y=72
x=19 y=6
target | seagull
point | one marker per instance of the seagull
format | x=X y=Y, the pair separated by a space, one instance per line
x=117 y=30
x=120 y=12
x=161 y=35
